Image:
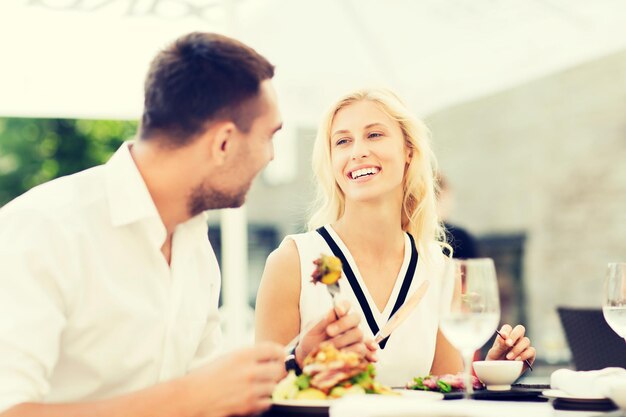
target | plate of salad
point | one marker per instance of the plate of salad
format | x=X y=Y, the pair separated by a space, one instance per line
x=329 y=374
x=443 y=383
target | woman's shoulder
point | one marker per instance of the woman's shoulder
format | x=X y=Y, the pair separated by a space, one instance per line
x=291 y=248
x=431 y=253
x=286 y=254
x=303 y=235
x=431 y=249
x=282 y=268
x=306 y=241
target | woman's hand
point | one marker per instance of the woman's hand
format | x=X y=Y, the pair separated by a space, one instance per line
x=515 y=346
x=341 y=328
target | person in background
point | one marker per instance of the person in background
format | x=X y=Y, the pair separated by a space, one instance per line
x=461 y=241
x=108 y=284
x=377 y=213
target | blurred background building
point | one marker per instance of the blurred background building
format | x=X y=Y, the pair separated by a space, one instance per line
x=526 y=102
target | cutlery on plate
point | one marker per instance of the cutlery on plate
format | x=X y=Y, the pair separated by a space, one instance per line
x=402 y=313
x=328 y=272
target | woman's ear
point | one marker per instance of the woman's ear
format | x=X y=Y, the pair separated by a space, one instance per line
x=409 y=155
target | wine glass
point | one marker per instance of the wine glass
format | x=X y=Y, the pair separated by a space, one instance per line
x=470 y=309
x=614 y=305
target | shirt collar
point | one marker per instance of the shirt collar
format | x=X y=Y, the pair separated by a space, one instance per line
x=131 y=202
x=128 y=195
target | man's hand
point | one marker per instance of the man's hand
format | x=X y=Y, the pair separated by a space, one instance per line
x=341 y=328
x=239 y=383
x=516 y=346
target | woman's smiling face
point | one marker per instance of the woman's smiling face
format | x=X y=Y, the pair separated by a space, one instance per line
x=368 y=152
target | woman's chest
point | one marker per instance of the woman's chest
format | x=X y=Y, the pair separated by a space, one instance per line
x=379 y=278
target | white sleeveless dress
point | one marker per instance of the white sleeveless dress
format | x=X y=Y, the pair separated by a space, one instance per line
x=410 y=349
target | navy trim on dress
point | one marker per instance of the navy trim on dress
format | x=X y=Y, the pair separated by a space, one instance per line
x=347 y=270
x=358 y=291
x=406 y=284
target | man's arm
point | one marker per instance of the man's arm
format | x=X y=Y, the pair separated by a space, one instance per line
x=38 y=287
x=35 y=293
x=239 y=383
x=162 y=400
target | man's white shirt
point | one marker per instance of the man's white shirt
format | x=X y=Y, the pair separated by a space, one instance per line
x=89 y=307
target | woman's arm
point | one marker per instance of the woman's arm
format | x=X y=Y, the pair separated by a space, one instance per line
x=278 y=299
x=278 y=310
x=447 y=359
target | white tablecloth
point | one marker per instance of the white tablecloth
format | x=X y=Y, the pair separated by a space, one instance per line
x=378 y=406
x=587 y=384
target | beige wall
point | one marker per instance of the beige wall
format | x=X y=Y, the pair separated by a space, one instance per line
x=549 y=159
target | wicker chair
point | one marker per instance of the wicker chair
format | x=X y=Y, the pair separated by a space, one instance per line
x=594 y=345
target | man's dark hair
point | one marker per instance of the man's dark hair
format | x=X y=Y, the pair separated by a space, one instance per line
x=202 y=78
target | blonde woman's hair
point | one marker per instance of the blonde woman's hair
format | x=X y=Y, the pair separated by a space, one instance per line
x=419 y=215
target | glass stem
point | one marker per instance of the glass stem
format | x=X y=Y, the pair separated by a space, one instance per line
x=469 y=386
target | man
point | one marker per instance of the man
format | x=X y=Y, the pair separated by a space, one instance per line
x=460 y=240
x=108 y=284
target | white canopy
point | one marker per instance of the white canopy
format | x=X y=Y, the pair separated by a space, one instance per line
x=88 y=58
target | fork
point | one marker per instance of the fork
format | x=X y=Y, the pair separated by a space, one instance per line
x=333 y=290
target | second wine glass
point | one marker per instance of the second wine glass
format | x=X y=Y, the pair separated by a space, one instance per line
x=471 y=310
x=614 y=305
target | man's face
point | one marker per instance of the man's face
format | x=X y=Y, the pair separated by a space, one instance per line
x=249 y=153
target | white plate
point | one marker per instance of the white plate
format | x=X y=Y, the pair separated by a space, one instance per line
x=421 y=395
x=319 y=405
x=561 y=395
x=303 y=403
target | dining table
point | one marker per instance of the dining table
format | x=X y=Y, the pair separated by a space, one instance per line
x=520 y=401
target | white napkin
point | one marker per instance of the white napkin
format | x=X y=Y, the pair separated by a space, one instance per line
x=587 y=384
x=383 y=406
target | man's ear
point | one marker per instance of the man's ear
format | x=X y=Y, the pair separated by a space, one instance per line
x=222 y=141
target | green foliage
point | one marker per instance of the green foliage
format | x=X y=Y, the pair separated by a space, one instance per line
x=33 y=151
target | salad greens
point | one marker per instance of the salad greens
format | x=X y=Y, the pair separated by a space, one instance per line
x=444 y=383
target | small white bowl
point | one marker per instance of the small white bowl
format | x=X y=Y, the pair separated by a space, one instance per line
x=498 y=375
x=617 y=394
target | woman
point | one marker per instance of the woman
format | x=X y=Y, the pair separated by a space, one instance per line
x=374 y=167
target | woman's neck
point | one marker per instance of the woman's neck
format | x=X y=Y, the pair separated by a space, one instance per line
x=372 y=228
